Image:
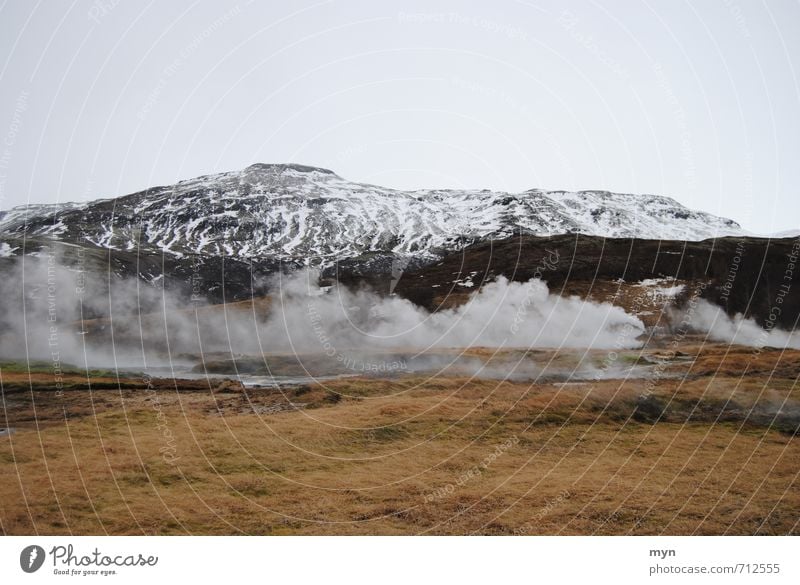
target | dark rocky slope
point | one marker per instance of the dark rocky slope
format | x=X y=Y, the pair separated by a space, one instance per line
x=751 y=276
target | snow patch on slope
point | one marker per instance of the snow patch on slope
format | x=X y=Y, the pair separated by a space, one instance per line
x=298 y=212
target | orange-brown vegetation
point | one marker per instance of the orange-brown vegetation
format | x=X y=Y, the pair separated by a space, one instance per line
x=707 y=446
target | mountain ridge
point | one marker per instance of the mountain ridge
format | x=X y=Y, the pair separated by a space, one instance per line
x=293 y=211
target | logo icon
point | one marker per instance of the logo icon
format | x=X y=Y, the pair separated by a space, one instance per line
x=31 y=558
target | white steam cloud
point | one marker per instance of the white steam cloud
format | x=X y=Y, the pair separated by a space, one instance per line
x=500 y=314
x=46 y=314
x=714 y=322
x=43 y=303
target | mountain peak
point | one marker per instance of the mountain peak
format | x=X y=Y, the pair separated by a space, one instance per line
x=283 y=167
x=305 y=213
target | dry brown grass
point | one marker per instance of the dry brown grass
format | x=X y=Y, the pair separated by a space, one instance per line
x=363 y=456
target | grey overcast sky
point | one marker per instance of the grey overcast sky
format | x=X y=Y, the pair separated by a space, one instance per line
x=696 y=100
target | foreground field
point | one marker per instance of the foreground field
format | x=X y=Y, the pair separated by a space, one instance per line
x=706 y=444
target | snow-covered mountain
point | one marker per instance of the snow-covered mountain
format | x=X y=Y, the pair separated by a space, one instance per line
x=296 y=212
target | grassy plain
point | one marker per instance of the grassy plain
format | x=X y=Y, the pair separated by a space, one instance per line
x=707 y=445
